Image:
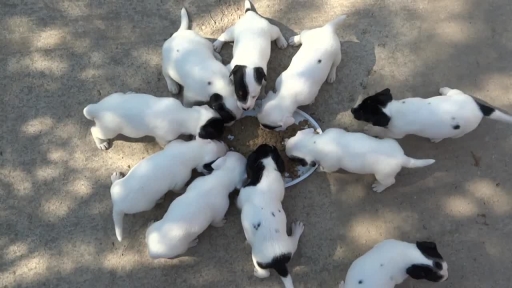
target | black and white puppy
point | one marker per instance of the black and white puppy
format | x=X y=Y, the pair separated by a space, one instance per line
x=188 y=59
x=451 y=115
x=263 y=218
x=390 y=262
x=138 y=115
x=252 y=35
x=354 y=152
x=151 y=178
x=315 y=62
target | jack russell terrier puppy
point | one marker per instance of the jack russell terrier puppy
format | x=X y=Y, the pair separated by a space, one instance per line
x=138 y=115
x=390 y=262
x=263 y=218
x=189 y=59
x=252 y=35
x=151 y=178
x=353 y=152
x=451 y=115
x=204 y=203
x=315 y=62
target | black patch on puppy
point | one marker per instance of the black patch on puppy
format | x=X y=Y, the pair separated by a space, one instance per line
x=429 y=250
x=212 y=129
x=256 y=226
x=254 y=167
x=269 y=127
x=259 y=75
x=360 y=281
x=370 y=109
x=486 y=110
x=456 y=127
x=422 y=271
x=273 y=215
x=208 y=166
x=241 y=90
x=278 y=263
x=319 y=61
x=217 y=103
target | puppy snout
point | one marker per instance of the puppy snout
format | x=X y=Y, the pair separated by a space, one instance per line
x=245 y=109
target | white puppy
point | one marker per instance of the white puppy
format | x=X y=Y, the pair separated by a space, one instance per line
x=204 y=203
x=451 y=115
x=315 y=62
x=151 y=178
x=137 y=115
x=263 y=217
x=390 y=262
x=252 y=35
x=353 y=152
x=189 y=59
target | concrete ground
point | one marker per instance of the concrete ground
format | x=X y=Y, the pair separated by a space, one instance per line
x=57 y=56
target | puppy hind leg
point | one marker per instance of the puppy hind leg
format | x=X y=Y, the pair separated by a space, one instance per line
x=192 y=243
x=116 y=176
x=332 y=73
x=172 y=85
x=100 y=138
x=276 y=35
x=258 y=271
x=217 y=56
x=228 y=36
x=383 y=182
x=297 y=230
x=219 y=222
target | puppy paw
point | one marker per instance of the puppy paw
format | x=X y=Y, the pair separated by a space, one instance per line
x=444 y=90
x=331 y=77
x=217 y=45
x=372 y=131
x=116 y=176
x=217 y=56
x=193 y=243
x=151 y=223
x=160 y=200
x=294 y=40
x=297 y=228
x=435 y=140
x=261 y=273
x=281 y=43
x=220 y=223
x=378 y=187
x=102 y=144
x=173 y=87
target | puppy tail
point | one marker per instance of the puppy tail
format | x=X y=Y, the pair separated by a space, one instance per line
x=493 y=113
x=118 y=223
x=247 y=6
x=89 y=112
x=336 y=22
x=184 y=19
x=416 y=163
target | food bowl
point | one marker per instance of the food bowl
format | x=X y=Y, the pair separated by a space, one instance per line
x=299 y=116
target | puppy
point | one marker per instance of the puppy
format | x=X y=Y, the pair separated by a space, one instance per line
x=263 y=218
x=252 y=35
x=152 y=177
x=188 y=59
x=315 y=62
x=451 y=115
x=390 y=262
x=204 y=203
x=353 y=152
x=137 y=115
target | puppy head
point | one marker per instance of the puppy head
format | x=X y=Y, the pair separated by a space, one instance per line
x=297 y=148
x=272 y=115
x=210 y=150
x=234 y=163
x=432 y=268
x=217 y=103
x=371 y=109
x=248 y=82
x=264 y=157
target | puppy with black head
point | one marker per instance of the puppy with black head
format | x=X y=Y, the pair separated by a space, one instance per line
x=263 y=217
x=188 y=59
x=451 y=115
x=252 y=35
x=390 y=262
x=138 y=115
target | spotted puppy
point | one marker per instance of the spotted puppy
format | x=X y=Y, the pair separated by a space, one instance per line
x=451 y=115
x=189 y=59
x=315 y=62
x=204 y=203
x=137 y=115
x=354 y=152
x=152 y=177
x=252 y=35
x=263 y=218
x=390 y=262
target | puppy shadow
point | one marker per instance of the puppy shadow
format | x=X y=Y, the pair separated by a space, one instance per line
x=146 y=139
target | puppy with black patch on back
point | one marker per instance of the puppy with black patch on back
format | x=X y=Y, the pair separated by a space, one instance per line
x=263 y=217
x=252 y=35
x=188 y=59
x=359 y=153
x=390 y=262
x=151 y=178
x=204 y=203
x=315 y=62
x=137 y=115
x=451 y=115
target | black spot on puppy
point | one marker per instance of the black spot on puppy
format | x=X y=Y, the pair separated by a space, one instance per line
x=456 y=127
x=486 y=110
x=208 y=166
x=217 y=103
x=256 y=226
x=277 y=231
x=360 y=282
x=255 y=167
x=319 y=61
x=278 y=263
x=371 y=109
x=212 y=129
x=273 y=215
x=209 y=83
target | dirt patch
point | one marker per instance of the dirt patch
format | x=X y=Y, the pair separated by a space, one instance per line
x=245 y=135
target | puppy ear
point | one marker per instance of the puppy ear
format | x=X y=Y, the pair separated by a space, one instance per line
x=219 y=163
x=212 y=129
x=236 y=69
x=383 y=97
x=259 y=75
x=288 y=121
x=419 y=271
x=276 y=157
x=217 y=103
x=381 y=120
